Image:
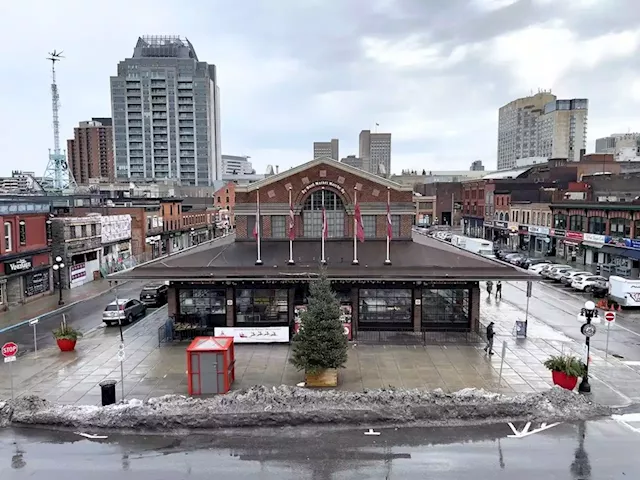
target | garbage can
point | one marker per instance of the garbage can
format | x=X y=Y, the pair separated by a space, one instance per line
x=108 y=388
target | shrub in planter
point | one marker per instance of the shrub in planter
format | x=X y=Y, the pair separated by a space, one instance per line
x=565 y=370
x=66 y=336
x=320 y=346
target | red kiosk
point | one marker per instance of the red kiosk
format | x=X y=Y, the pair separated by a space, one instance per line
x=210 y=365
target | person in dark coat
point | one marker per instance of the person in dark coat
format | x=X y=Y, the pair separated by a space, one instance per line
x=499 y=289
x=490 y=335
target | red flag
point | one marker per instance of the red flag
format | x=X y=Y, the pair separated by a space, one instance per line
x=292 y=231
x=389 y=224
x=325 y=227
x=359 y=226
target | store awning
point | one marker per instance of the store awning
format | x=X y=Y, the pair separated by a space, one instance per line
x=593 y=244
x=621 y=252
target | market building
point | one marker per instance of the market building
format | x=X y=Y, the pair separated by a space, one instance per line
x=77 y=240
x=25 y=251
x=606 y=234
x=292 y=224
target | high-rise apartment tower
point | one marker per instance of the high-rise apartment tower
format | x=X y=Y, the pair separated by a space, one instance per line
x=375 y=152
x=166 y=114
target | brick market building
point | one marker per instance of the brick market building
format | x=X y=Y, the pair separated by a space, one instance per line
x=428 y=286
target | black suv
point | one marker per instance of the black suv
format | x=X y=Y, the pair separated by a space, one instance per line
x=154 y=294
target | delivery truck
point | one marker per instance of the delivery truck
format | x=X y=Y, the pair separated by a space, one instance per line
x=624 y=292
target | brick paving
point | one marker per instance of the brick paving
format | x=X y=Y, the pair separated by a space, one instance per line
x=151 y=371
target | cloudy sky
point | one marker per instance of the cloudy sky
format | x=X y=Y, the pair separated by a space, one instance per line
x=431 y=72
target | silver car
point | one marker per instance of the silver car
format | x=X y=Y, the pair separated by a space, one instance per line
x=123 y=311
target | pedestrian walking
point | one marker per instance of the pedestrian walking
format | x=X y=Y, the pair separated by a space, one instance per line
x=489 y=287
x=489 y=348
x=499 y=290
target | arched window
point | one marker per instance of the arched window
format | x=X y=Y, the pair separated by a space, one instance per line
x=8 y=238
x=501 y=216
x=506 y=216
x=312 y=214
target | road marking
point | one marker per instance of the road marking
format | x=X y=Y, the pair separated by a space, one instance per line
x=525 y=432
x=371 y=432
x=625 y=419
x=632 y=363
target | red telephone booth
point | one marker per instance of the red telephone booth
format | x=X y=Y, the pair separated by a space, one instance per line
x=210 y=365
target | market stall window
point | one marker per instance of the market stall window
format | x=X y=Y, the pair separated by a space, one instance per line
x=385 y=308
x=446 y=309
x=262 y=306
x=203 y=307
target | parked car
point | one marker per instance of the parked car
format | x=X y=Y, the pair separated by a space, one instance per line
x=568 y=277
x=154 y=294
x=590 y=283
x=537 y=261
x=556 y=272
x=123 y=310
x=501 y=253
x=547 y=271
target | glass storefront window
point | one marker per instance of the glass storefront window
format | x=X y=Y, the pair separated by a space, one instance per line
x=380 y=308
x=262 y=306
x=203 y=305
x=445 y=309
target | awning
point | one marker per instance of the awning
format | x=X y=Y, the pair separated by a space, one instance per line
x=621 y=252
x=572 y=241
x=593 y=244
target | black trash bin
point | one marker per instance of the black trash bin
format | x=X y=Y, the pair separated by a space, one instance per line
x=108 y=388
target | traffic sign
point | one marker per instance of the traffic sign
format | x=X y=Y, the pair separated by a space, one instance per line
x=9 y=349
x=9 y=359
x=610 y=317
x=33 y=322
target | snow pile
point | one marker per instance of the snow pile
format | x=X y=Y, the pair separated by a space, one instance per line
x=279 y=406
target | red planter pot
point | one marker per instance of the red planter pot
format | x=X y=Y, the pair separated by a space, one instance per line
x=563 y=380
x=66 y=345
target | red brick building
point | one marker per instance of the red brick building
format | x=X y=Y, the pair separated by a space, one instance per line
x=90 y=151
x=252 y=287
x=224 y=199
x=25 y=251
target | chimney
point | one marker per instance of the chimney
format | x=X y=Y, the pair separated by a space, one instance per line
x=277 y=169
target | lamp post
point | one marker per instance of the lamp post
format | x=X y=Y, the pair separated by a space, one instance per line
x=588 y=330
x=58 y=266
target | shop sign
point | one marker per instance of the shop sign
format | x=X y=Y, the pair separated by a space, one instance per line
x=574 y=236
x=323 y=183
x=36 y=283
x=155 y=238
x=538 y=230
x=488 y=223
x=556 y=232
x=617 y=241
x=499 y=224
x=20 y=265
x=523 y=229
x=254 y=334
x=632 y=243
x=593 y=238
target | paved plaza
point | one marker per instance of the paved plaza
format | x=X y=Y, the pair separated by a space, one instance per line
x=151 y=371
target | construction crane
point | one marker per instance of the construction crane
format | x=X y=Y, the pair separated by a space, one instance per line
x=57 y=176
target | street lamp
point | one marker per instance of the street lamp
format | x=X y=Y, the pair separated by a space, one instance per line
x=588 y=330
x=58 y=266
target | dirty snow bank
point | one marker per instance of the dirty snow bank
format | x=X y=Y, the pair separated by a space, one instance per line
x=276 y=406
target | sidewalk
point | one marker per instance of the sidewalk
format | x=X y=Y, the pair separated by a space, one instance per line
x=49 y=303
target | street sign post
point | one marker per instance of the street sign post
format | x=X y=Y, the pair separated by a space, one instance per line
x=34 y=324
x=609 y=317
x=121 y=360
x=9 y=352
x=504 y=352
x=526 y=313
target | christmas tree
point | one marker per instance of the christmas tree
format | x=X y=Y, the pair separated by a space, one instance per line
x=321 y=343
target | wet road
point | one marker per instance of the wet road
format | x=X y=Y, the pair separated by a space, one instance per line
x=83 y=316
x=558 y=307
x=595 y=450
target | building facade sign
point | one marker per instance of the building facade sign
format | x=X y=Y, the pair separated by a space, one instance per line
x=500 y=224
x=36 y=283
x=323 y=183
x=17 y=266
x=534 y=229
x=488 y=223
x=254 y=334
x=578 y=236
x=557 y=232
x=115 y=228
x=593 y=238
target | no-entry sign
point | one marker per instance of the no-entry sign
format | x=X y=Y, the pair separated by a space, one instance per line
x=610 y=317
x=9 y=349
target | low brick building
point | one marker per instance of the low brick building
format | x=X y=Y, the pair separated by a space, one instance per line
x=257 y=285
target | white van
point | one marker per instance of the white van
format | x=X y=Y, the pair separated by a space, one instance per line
x=624 y=292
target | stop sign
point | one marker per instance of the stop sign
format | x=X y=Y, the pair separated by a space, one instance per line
x=610 y=316
x=9 y=349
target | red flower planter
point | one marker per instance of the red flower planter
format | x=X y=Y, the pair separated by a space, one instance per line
x=66 y=345
x=563 y=380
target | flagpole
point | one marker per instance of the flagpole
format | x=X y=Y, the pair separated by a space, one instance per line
x=388 y=259
x=291 y=227
x=325 y=224
x=355 y=228
x=258 y=228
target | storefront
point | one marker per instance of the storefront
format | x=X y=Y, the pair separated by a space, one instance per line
x=592 y=247
x=474 y=227
x=539 y=240
x=488 y=230
x=501 y=234
x=25 y=279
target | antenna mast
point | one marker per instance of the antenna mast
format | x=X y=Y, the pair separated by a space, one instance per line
x=57 y=177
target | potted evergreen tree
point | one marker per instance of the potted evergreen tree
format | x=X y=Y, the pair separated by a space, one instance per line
x=565 y=370
x=320 y=346
x=66 y=336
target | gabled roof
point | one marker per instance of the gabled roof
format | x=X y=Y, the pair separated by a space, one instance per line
x=329 y=162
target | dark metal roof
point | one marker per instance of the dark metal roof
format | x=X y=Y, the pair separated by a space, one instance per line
x=428 y=260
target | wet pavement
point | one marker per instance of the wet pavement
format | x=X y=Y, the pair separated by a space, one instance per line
x=84 y=316
x=582 y=451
